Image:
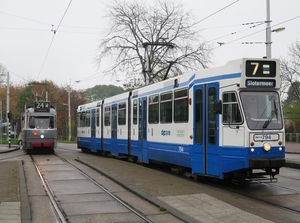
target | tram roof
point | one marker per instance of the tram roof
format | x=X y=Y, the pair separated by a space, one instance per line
x=229 y=71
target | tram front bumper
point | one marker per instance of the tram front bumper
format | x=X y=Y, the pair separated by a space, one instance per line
x=259 y=163
x=42 y=144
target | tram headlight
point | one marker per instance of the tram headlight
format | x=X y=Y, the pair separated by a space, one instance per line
x=42 y=136
x=267 y=147
x=35 y=133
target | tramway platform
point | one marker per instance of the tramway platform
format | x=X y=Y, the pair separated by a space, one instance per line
x=15 y=208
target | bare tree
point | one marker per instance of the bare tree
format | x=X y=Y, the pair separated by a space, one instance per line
x=144 y=40
x=290 y=70
x=3 y=73
x=290 y=87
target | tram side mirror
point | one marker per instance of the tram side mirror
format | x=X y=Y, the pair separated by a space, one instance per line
x=32 y=122
x=218 y=106
x=51 y=122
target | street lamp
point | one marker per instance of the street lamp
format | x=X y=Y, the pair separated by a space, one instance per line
x=69 y=111
x=268 y=31
x=7 y=111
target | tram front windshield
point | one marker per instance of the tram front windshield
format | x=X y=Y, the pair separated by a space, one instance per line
x=41 y=122
x=262 y=110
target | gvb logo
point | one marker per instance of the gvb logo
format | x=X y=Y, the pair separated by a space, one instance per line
x=165 y=132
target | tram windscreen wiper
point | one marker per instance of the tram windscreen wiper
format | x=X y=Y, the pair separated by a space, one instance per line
x=273 y=112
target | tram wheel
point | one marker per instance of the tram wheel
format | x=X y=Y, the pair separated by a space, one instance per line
x=84 y=150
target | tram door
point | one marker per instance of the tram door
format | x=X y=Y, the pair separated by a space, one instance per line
x=206 y=151
x=114 y=129
x=93 y=130
x=142 y=126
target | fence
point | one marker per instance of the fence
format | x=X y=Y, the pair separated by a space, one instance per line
x=63 y=133
x=292 y=137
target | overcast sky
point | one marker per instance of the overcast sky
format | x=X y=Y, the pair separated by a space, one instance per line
x=29 y=51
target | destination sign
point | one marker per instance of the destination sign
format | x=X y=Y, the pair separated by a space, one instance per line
x=260 y=68
x=41 y=106
x=258 y=83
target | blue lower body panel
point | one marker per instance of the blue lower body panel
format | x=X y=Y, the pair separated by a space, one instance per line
x=169 y=153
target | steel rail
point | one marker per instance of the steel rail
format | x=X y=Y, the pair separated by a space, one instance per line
x=59 y=211
x=109 y=193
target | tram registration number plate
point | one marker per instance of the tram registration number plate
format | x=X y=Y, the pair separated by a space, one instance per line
x=266 y=137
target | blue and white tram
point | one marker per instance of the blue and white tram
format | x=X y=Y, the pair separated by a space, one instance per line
x=224 y=122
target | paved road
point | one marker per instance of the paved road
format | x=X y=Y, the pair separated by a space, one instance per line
x=12 y=203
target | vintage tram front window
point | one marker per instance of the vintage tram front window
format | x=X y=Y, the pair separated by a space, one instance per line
x=40 y=122
x=262 y=110
x=231 y=110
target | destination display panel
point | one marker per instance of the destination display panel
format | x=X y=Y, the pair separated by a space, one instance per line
x=260 y=74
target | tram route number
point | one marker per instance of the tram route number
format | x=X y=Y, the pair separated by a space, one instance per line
x=264 y=68
x=41 y=106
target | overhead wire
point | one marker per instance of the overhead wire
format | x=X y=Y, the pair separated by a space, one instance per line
x=54 y=32
x=64 y=15
x=24 y=18
x=29 y=19
x=257 y=31
x=93 y=76
x=216 y=12
x=236 y=32
x=255 y=24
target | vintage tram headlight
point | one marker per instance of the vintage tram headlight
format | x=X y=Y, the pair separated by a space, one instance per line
x=42 y=136
x=267 y=147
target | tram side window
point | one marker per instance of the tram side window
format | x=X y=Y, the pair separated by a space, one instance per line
x=81 y=119
x=166 y=108
x=134 y=111
x=107 y=116
x=231 y=110
x=98 y=116
x=122 y=114
x=181 y=113
x=88 y=118
x=153 y=115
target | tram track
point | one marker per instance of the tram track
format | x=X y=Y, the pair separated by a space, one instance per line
x=273 y=203
x=136 y=212
x=268 y=199
x=58 y=210
x=267 y=202
x=220 y=185
x=55 y=200
x=228 y=187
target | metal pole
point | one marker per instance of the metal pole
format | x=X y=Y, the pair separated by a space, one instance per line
x=7 y=110
x=69 y=111
x=1 y=132
x=268 y=31
x=147 y=68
